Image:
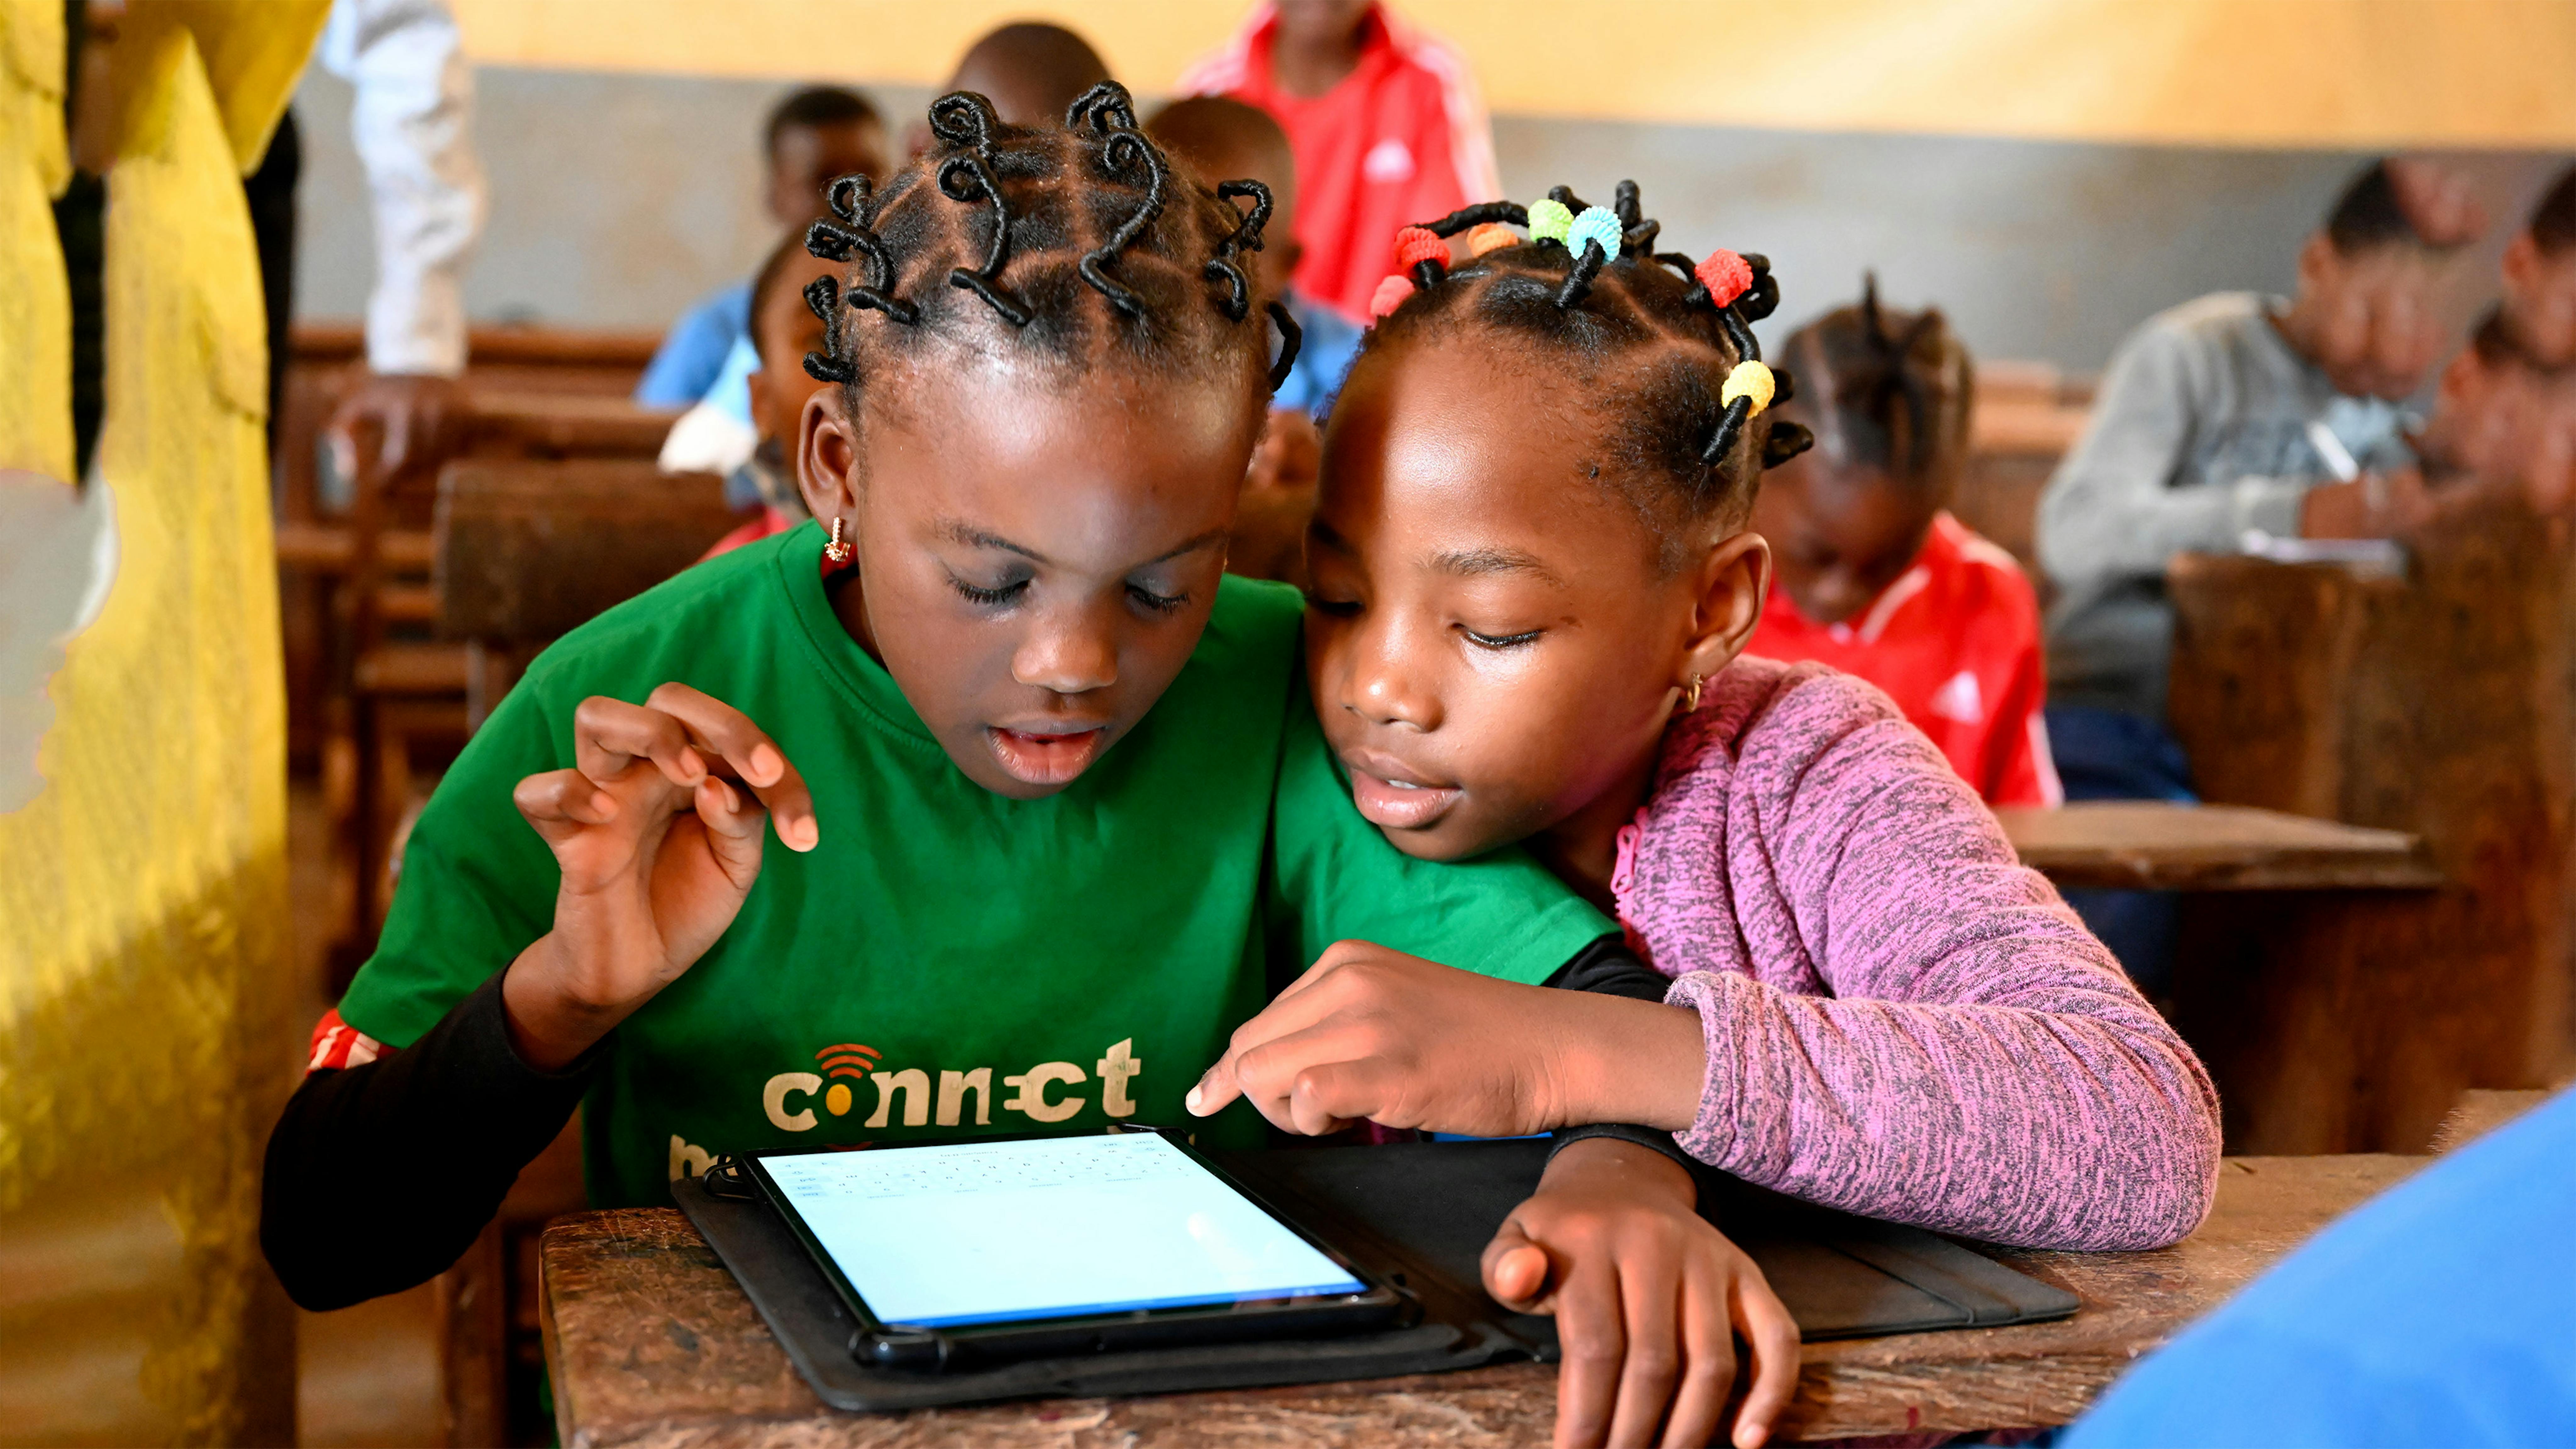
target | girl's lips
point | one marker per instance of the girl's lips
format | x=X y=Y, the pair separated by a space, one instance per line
x=1399 y=806
x=1051 y=759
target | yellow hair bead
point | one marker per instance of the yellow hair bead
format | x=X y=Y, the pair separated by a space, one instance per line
x=1492 y=236
x=1748 y=380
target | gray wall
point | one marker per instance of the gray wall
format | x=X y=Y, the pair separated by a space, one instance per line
x=617 y=199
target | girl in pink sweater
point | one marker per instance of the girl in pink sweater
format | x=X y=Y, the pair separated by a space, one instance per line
x=1532 y=578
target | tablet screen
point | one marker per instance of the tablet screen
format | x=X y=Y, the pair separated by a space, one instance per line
x=994 y=1232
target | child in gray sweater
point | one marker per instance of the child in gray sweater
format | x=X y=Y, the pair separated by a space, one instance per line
x=2232 y=414
x=2229 y=416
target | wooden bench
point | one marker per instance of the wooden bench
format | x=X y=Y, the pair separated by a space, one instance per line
x=649 y=1343
x=2440 y=704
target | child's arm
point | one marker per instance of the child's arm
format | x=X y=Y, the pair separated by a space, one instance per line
x=1975 y=1062
x=379 y=1176
x=1649 y=1298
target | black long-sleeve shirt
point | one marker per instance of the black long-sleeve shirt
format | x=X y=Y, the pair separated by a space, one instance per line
x=379 y=1176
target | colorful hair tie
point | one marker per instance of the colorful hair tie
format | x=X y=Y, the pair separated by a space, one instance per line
x=1596 y=224
x=1390 y=295
x=1415 y=245
x=1750 y=380
x=1548 y=220
x=1727 y=277
x=1491 y=237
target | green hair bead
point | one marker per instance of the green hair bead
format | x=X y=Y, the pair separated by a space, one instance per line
x=1548 y=220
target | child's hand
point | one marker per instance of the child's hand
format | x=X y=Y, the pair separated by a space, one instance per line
x=1369 y=1033
x=1648 y=1299
x=658 y=842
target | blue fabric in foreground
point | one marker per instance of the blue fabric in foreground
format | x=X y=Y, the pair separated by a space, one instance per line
x=2437 y=1314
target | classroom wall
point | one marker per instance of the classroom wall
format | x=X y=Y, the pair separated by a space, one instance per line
x=2358 y=73
x=617 y=198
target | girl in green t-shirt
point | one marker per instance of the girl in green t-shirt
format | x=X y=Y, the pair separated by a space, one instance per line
x=1050 y=790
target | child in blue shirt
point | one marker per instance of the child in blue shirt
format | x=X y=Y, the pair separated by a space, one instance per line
x=812 y=136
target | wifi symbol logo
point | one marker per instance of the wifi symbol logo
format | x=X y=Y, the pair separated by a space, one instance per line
x=850 y=1060
x=847 y=1060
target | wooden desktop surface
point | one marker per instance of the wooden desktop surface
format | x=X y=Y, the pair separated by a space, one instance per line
x=650 y=1344
x=2150 y=845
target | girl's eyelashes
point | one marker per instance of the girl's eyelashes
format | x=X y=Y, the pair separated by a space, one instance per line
x=1333 y=608
x=1156 y=603
x=1501 y=641
x=995 y=597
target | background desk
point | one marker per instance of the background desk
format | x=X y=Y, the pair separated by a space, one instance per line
x=650 y=1344
x=2149 y=845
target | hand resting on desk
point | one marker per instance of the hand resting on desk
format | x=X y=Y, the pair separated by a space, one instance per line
x=1643 y=1289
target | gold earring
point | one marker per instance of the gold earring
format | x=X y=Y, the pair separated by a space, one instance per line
x=1690 y=696
x=837 y=551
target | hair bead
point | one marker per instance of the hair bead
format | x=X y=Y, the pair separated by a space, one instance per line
x=1750 y=381
x=1492 y=236
x=1548 y=220
x=1390 y=294
x=1726 y=275
x=1414 y=244
x=1596 y=224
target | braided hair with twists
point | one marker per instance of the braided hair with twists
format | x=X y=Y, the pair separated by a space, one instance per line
x=1081 y=244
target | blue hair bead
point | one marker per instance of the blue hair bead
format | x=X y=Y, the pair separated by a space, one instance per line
x=1596 y=224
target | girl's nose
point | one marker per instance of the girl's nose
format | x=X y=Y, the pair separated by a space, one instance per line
x=1383 y=686
x=1068 y=656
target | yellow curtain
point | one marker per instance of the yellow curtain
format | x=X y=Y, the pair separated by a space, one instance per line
x=35 y=305
x=143 y=1043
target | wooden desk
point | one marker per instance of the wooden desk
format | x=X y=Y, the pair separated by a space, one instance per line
x=2149 y=845
x=650 y=1344
x=2438 y=703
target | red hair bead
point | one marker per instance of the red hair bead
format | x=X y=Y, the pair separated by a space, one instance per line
x=1415 y=245
x=1390 y=295
x=1726 y=275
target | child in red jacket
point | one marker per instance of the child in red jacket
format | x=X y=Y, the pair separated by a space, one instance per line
x=1386 y=122
x=1873 y=576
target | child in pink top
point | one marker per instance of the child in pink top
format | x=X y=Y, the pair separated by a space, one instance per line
x=1532 y=579
x=1872 y=575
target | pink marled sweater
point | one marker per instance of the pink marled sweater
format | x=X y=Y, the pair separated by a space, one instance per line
x=1902 y=1020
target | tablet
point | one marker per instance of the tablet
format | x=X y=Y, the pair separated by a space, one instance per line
x=1016 y=1247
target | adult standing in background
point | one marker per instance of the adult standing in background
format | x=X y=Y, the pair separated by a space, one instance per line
x=1386 y=122
x=413 y=125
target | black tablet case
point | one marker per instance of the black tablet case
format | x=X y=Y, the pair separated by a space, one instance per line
x=1420 y=1215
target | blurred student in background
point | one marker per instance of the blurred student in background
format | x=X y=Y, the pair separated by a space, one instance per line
x=1031 y=71
x=1221 y=138
x=2500 y=422
x=2228 y=417
x=1872 y=575
x=1386 y=123
x=813 y=135
x=783 y=330
x=2540 y=278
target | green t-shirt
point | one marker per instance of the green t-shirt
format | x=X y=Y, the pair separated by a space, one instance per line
x=947 y=961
